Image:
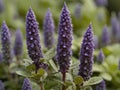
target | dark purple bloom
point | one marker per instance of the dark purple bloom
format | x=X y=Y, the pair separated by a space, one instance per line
x=26 y=85
x=77 y=12
x=86 y=54
x=100 y=57
x=6 y=44
x=18 y=45
x=64 y=51
x=1 y=85
x=48 y=30
x=95 y=41
x=32 y=35
x=1 y=57
x=1 y=6
x=101 y=86
x=115 y=27
x=43 y=65
x=105 y=36
x=101 y=2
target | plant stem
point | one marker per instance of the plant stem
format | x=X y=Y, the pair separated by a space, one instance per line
x=42 y=86
x=63 y=79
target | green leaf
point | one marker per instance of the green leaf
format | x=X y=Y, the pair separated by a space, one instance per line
x=98 y=68
x=78 y=80
x=106 y=76
x=53 y=65
x=41 y=72
x=69 y=77
x=93 y=81
x=27 y=62
x=106 y=51
x=31 y=67
x=50 y=54
x=23 y=73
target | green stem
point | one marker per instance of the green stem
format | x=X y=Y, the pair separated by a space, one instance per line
x=63 y=79
x=42 y=86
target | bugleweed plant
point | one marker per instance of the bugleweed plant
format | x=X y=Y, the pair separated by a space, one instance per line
x=54 y=69
x=43 y=70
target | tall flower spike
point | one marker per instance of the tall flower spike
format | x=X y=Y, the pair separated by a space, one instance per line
x=101 y=86
x=6 y=44
x=18 y=45
x=105 y=36
x=26 y=85
x=115 y=28
x=1 y=57
x=100 y=57
x=101 y=2
x=95 y=41
x=64 y=51
x=1 y=85
x=86 y=55
x=1 y=6
x=77 y=12
x=48 y=30
x=32 y=35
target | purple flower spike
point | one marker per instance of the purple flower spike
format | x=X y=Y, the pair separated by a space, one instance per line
x=6 y=44
x=26 y=85
x=1 y=57
x=1 y=6
x=64 y=51
x=105 y=36
x=77 y=12
x=32 y=35
x=101 y=86
x=1 y=85
x=86 y=55
x=100 y=57
x=115 y=28
x=48 y=30
x=18 y=45
x=101 y=2
x=95 y=41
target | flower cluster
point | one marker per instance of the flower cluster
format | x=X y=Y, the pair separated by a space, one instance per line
x=26 y=85
x=101 y=86
x=6 y=44
x=18 y=45
x=101 y=2
x=100 y=57
x=105 y=36
x=32 y=36
x=48 y=30
x=64 y=40
x=86 y=54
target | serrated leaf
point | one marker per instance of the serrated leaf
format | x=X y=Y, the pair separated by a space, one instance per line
x=78 y=80
x=50 y=54
x=106 y=76
x=93 y=81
